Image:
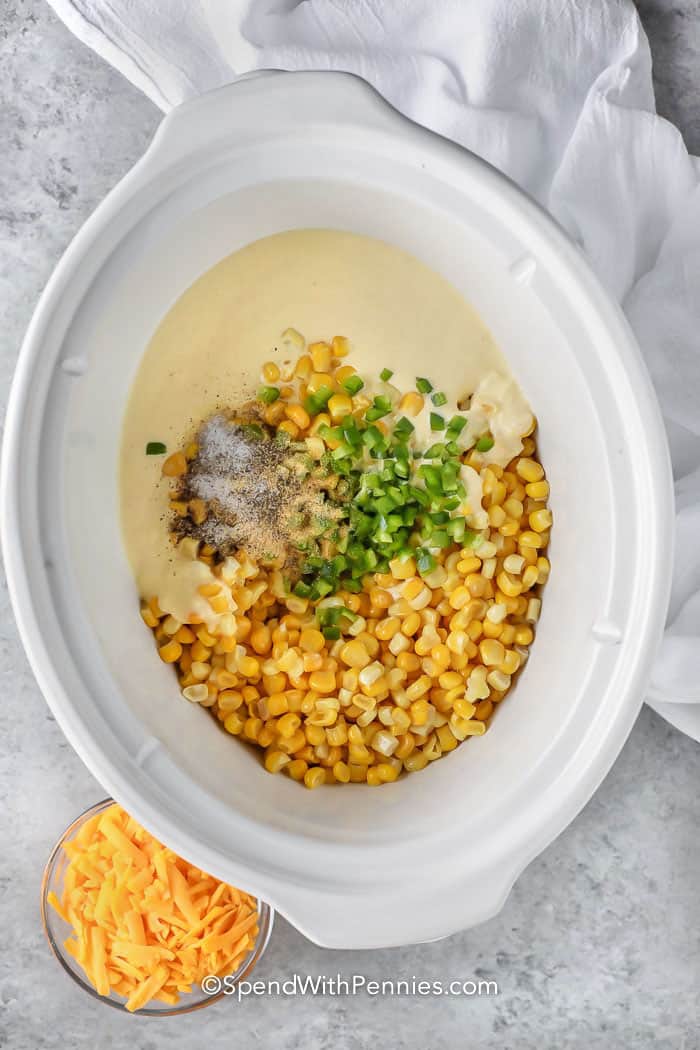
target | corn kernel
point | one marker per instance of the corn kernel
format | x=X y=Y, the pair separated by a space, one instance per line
x=252 y=728
x=408 y=662
x=398 y=646
x=275 y=761
x=491 y=652
x=459 y=597
x=319 y=380
x=341 y=772
x=311 y=640
x=298 y=415
x=320 y=356
x=314 y=777
x=402 y=568
x=261 y=639
x=419 y=688
x=446 y=738
x=514 y=564
x=464 y=708
x=354 y=654
x=537 y=490
x=297 y=768
x=514 y=508
x=530 y=538
x=415 y=762
x=411 y=403
x=509 y=585
x=273 y=706
x=288 y=725
x=529 y=469
x=270 y=372
x=530 y=576
x=386 y=629
x=249 y=667
x=175 y=466
x=340 y=346
x=339 y=406
x=322 y=681
x=420 y=712
x=170 y=652
x=233 y=724
x=196 y=693
x=288 y=427
x=540 y=520
x=274 y=413
x=524 y=636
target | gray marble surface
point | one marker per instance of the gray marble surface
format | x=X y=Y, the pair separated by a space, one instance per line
x=597 y=945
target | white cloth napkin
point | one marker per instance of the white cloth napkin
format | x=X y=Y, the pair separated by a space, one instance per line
x=556 y=94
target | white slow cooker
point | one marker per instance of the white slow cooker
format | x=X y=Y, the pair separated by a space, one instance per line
x=438 y=851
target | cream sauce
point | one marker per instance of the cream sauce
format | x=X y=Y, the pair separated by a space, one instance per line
x=208 y=349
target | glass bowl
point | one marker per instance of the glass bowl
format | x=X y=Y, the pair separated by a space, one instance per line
x=57 y=931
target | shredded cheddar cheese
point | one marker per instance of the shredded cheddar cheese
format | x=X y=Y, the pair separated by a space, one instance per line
x=146 y=923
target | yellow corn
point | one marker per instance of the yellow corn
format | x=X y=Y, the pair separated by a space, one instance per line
x=270 y=372
x=233 y=724
x=339 y=405
x=446 y=738
x=288 y=724
x=411 y=403
x=320 y=356
x=298 y=415
x=340 y=346
x=314 y=777
x=311 y=640
x=275 y=761
x=317 y=380
x=540 y=520
x=303 y=368
x=414 y=674
x=537 y=489
x=530 y=538
x=297 y=768
x=175 y=466
x=341 y=772
x=403 y=568
x=196 y=693
x=415 y=761
x=531 y=576
x=170 y=652
x=524 y=635
x=354 y=654
x=509 y=585
x=386 y=629
x=529 y=469
x=492 y=652
x=322 y=681
x=459 y=597
x=420 y=712
x=288 y=427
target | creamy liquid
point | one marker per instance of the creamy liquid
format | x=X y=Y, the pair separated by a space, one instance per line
x=208 y=350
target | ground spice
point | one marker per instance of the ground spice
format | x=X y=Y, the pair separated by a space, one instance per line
x=248 y=488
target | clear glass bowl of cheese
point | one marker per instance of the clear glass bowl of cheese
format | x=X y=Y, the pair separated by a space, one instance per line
x=58 y=932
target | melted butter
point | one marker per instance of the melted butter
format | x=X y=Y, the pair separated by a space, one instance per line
x=208 y=349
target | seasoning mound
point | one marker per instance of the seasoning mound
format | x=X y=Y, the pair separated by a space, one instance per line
x=252 y=489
